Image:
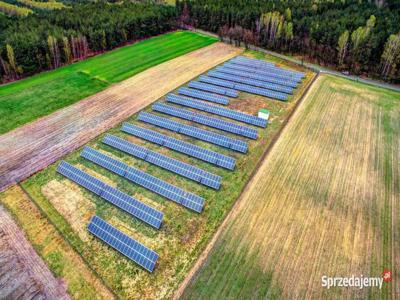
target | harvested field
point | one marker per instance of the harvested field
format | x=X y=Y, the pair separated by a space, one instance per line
x=184 y=234
x=23 y=274
x=72 y=274
x=324 y=202
x=32 y=147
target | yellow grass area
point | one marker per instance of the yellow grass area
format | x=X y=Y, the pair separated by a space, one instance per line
x=324 y=202
x=62 y=259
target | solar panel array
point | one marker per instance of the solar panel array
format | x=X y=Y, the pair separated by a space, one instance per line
x=201 y=134
x=204 y=96
x=213 y=89
x=125 y=202
x=206 y=155
x=173 y=165
x=206 y=120
x=265 y=66
x=263 y=73
x=145 y=180
x=243 y=87
x=217 y=110
x=123 y=243
x=251 y=82
x=275 y=84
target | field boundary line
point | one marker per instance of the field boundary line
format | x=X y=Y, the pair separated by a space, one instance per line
x=204 y=255
x=42 y=212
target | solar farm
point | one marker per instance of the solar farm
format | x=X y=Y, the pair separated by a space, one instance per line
x=160 y=183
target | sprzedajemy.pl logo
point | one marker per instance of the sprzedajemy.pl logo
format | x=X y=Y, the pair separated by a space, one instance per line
x=357 y=281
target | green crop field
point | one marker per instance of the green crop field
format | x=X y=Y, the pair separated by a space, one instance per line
x=28 y=99
x=323 y=203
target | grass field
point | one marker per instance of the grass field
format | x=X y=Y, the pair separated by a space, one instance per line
x=26 y=100
x=183 y=235
x=324 y=202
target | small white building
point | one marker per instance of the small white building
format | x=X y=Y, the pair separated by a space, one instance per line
x=263 y=114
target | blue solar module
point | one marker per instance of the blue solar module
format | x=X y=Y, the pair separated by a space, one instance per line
x=217 y=110
x=123 y=243
x=165 y=162
x=147 y=181
x=125 y=202
x=244 y=88
x=206 y=120
x=204 y=96
x=252 y=64
x=275 y=84
x=180 y=146
x=201 y=134
x=263 y=73
x=252 y=82
x=254 y=61
x=213 y=89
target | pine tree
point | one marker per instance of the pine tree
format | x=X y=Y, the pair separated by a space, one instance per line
x=391 y=55
x=11 y=61
x=343 y=44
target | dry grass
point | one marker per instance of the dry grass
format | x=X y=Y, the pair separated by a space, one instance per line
x=324 y=202
x=34 y=146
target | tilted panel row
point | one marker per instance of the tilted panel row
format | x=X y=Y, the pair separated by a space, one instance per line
x=217 y=110
x=204 y=96
x=123 y=201
x=201 y=134
x=213 y=89
x=147 y=181
x=123 y=243
x=235 y=76
x=254 y=61
x=173 y=165
x=206 y=120
x=263 y=73
x=277 y=70
x=206 y=155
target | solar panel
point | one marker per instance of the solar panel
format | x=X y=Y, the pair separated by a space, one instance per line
x=244 y=88
x=123 y=243
x=255 y=65
x=257 y=83
x=263 y=73
x=204 y=96
x=206 y=155
x=275 y=84
x=145 y=180
x=206 y=120
x=123 y=201
x=213 y=89
x=195 y=132
x=165 y=162
x=217 y=110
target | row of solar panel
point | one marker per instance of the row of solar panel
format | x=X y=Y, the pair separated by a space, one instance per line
x=123 y=243
x=125 y=202
x=165 y=162
x=180 y=146
x=147 y=181
x=266 y=64
x=217 y=110
x=243 y=87
x=263 y=73
x=201 y=134
x=276 y=84
x=242 y=80
x=206 y=120
x=267 y=67
x=213 y=89
x=204 y=96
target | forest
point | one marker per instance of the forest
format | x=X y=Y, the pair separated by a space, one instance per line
x=48 y=39
x=359 y=36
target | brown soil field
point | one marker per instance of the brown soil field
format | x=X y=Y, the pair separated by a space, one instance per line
x=23 y=274
x=34 y=146
x=324 y=202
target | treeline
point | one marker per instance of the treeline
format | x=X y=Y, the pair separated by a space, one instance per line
x=49 y=5
x=360 y=36
x=14 y=10
x=48 y=40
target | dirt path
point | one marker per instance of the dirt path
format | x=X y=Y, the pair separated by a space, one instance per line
x=34 y=146
x=23 y=274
